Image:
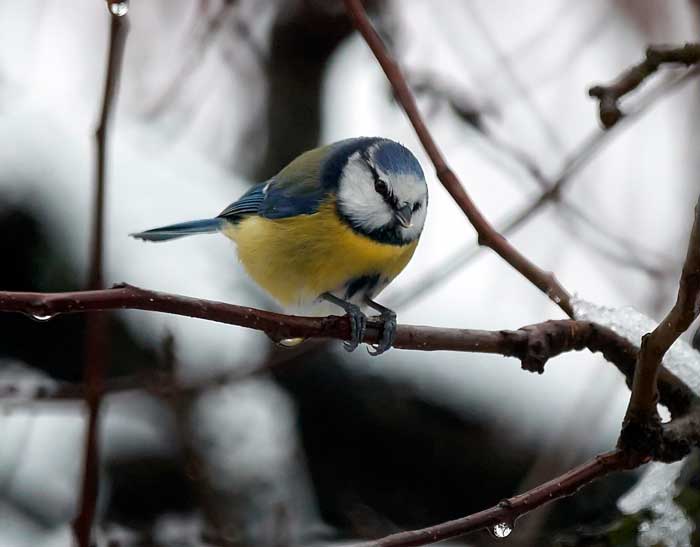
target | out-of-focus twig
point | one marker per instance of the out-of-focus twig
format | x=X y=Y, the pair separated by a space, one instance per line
x=181 y=402
x=96 y=336
x=628 y=254
x=487 y=235
x=508 y=68
x=206 y=29
x=609 y=95
x=641 y=425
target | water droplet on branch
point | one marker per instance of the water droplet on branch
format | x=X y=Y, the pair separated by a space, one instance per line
x=290 y=342
x=118 y=7
x=42 y=318
x=501 y=530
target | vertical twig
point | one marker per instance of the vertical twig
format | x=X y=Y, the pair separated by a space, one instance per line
x=181 y=401
x=96 y=335
x=641 y=428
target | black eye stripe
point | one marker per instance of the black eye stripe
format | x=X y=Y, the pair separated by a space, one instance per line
x=380 y=185
x=368 y=162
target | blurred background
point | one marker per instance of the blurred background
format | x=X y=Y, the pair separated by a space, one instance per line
x=327 y=447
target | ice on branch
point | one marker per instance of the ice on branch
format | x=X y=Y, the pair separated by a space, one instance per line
x=656 y=489
x=681 y=358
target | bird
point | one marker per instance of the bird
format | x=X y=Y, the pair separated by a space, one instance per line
x=337 y=224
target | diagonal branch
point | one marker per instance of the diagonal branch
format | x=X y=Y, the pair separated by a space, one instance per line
x=501 y=518
x=609 y=95
x=641 y=424
x=587 y=150
x=487 y=235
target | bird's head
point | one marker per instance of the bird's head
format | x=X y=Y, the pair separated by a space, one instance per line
x=381 y=189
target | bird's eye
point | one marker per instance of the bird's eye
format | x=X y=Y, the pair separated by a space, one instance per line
x=416 y=206
x=381 y=187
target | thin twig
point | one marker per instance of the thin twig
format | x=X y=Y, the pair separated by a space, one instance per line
x=609 y=95
x=488 y=236
x=96 y=336
x=641 y=425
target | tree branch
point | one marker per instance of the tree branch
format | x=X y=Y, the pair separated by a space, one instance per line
x=641 y=426
x=96 y=337
x=678 y=437
x=533 y=345
x=487 y=235
x=609 y=95
x=508 y=511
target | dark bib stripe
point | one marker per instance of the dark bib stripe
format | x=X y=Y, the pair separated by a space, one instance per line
x=366 y=284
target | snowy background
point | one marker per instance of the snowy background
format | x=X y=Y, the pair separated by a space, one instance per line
x=218 y=95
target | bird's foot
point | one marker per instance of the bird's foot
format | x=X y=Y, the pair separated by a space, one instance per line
x=358 y=326
x=389 y=325
x=358 y=320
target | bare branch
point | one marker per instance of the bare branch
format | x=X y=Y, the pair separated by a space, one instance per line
x=533 y=345
x=641 y=426
x=488 y=236
x=276 y=326
x=508 y=511
x=501 y=518
x=609 y=95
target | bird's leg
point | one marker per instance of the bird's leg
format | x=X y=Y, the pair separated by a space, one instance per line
x=358 y=320
x=388 y=319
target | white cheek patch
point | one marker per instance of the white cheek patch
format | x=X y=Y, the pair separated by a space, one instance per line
x=366 y=208
x=359 y=200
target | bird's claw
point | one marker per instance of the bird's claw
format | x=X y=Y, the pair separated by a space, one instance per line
x=358 y=326
x=389 y=325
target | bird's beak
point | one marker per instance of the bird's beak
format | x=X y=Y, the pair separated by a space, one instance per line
x=403 y=216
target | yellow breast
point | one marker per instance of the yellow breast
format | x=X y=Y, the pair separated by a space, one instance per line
x=298 y=258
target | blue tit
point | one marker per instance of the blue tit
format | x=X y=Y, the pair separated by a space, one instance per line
x=337 y=224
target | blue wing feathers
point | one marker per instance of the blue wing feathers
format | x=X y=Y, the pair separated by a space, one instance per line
x=277 y=199
x=290 y=201
x=301 y=187
x=248 y=204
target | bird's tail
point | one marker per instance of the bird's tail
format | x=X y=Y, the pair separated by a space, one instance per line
x=193 y=227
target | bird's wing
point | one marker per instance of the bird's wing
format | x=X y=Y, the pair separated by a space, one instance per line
x=248 y=204
x=296 y=190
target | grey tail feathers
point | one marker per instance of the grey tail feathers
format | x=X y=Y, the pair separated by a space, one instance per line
x=183 y=229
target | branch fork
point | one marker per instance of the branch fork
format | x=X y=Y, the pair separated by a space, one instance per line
x=609 y=95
